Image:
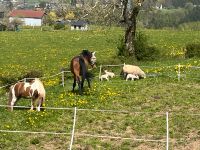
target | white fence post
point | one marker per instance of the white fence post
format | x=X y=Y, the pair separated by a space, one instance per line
x=179 y=72
x=63 y=78
x=167 y=138
x=73 y=129
x=100 y=71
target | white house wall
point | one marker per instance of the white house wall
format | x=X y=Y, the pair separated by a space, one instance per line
x=29 y=21
x=32 y=22
x=81 y=28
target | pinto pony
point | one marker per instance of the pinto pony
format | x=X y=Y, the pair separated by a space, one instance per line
x=33 y=89
x=79 y=68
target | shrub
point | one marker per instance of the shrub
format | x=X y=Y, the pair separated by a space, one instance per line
x=122 y=51
x=35 y=141
x=143 y=51
x=14 y=25
x=8 y=81
x=195 y=26
x=192 y=50
x=2 y=27
x=13 y=79
x=67 y=27
x=33 y=74
x=59 y=26
x=30 y=27
x=46 y=28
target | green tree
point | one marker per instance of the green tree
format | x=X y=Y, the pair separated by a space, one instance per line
x=42 y=4
x=193 y=15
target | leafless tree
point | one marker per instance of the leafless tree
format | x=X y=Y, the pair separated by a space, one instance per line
x=130 y=12
x=102 y=13
x=106 y=11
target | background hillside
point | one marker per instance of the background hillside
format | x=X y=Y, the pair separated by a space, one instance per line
x=155 y=14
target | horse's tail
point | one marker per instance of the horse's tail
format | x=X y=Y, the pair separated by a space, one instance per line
x=43 y=96
x=42 y=101
x=83 y=67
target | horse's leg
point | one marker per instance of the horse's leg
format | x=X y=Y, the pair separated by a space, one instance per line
x=88 y=80
x=32 y=103
x=79 y=85
x=82 y=82
x=74 y=84
x=39 y=103
x=12 y=102
x=12 y=98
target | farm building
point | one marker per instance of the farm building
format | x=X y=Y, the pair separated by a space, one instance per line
x=29 y=17
x=79 y=25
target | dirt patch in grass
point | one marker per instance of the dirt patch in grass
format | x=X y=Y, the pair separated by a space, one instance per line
x=194 y=145
x=47 y=146
x=192 y=142
x=150 y=147
x=55 y=143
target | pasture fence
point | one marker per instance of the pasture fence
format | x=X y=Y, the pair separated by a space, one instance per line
x=73 y=129
x=179 y=72
x=177 y=76
x=75 y=134
x=178 y=67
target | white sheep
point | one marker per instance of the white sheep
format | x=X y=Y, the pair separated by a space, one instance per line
x=104 y=76
x=110 y=74
x=131 y=76
x=131 y=69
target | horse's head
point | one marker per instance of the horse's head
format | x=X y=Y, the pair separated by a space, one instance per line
x=93 y=59
x=90 y=56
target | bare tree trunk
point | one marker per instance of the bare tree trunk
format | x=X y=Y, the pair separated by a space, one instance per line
x=130 y=16
x=129 y=38
x=130 y=34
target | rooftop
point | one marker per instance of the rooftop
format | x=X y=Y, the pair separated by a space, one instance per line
x=79 y=23
x=27 y=13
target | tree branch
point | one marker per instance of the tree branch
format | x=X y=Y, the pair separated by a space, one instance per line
x=124 y=11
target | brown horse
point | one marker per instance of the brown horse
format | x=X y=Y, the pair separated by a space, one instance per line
x=33 y=89
x=79 y=68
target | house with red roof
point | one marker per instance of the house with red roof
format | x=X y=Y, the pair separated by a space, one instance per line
x=29 y=17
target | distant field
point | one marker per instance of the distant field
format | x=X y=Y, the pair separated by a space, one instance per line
x=172 y=42
x=148 y=99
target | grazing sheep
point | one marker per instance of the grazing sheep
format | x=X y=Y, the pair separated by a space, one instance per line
x=110 y=74
x=104 y=76
x=131 y=69
x=132 y=77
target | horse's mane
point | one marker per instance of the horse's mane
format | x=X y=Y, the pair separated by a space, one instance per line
x=85 y=52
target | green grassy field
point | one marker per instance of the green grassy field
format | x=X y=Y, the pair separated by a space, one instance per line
x=146 y=100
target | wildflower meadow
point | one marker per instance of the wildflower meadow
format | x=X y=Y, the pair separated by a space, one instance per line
x=137 y=108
